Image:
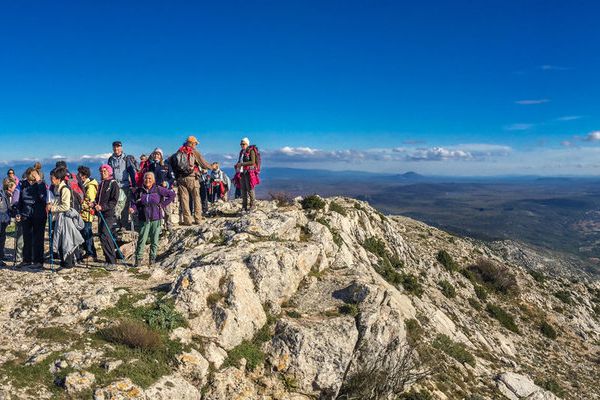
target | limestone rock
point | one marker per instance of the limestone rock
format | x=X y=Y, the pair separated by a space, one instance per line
x=172 y=387
x=120 y=390
x=78 y=381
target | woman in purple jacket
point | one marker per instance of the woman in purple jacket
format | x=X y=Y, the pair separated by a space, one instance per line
x=149 y=202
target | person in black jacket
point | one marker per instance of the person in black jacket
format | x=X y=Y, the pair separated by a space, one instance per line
x=31 y=214
x=165 y=177
x=106 y=201
x=8 y=187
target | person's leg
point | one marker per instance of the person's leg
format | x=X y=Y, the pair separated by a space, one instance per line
x=27 y=228
x=245 y=181
x=108 y=246
x=124 y=218
x=3 y=227
x=154 y=238
x=252 y=196
x=88 y=235
x=195 y=189
x=39 y=227
x=184 y=201
x=19 y=243
x=141 y=243
x=204 y=196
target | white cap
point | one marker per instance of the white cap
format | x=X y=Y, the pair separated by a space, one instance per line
x=245 y=140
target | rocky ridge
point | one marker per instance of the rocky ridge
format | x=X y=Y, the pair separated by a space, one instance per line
x=329 y=300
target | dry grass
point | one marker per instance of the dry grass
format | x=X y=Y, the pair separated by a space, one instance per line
x=133 y=334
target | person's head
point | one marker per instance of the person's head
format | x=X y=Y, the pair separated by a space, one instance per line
x=57 y=175
x=143 y=158
x=215 y=165
x=11 y=174
x=157 y=155
x=117 y=148
x=149 y=180
x=9 y=185
x=37 y=166
x=61 y=164
x=83 y=172
x=244 y=143
x=106 y=172
x=32 y=175
x=192 y=141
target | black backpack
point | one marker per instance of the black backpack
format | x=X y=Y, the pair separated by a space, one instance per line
x=180 y=164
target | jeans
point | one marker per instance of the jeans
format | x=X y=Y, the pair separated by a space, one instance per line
x=33 y=240
x=88 y=236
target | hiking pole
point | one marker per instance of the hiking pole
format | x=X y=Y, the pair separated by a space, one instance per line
x=16 y=240
x=51 y=241
x=111 y=236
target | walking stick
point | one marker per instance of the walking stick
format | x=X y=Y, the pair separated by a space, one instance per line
x=111 y=236
x=51 y=240
x=16 y=237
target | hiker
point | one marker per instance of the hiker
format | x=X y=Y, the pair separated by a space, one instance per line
x=248 y=167
x=31 y=214
x=66 y=236
x=204 y=190
x=163 y=173
x=217 y=183
x=124 y=170
x=149 y=203
x=105 y=204
x=14 y=200
x=5 y=213
x=143 y=158
x=90 y=188
x=10 y=174
x=187 y=163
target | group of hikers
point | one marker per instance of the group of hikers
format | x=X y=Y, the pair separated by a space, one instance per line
x=68 y=204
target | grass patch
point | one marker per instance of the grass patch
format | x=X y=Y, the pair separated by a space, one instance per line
x=455 y=350
x=505 y=319
x=54 y=334
x=480 y=292
x=537 y=276
x=313 y=202
x=548 y=330
x=375 y=246
x=447 y=289
x=336 y=207
x=293 y=314
x=551 y=385
x=133 y=334
x=337 y=238
x=416 y=395
x=475 y=303
x=414 y=331
x=447 y=261
x=251 y=350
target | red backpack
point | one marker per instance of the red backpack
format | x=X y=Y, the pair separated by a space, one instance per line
x=76 y=190
x=257 y=153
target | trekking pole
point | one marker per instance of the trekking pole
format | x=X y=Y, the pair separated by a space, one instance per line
x=111 y=236
x=16 y=240
x=51 y=241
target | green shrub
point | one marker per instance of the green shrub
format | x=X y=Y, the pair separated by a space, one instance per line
x=494 y=276
x=537 y=276
x=414 y=331
x=416 y=395
x=313 y=202
x=505 y=319
x=456 y=350
x=337 y=238
x=547 y=330
x=447 y=289
x=475 y=303
x=375 y=246
x=411 y=284
x=468 y=274
x=551 y=385
x=480 y=292
x=564 y=296
x=293 y=314
x=164 y=317
x=133 y=334
x=336 y=207
x=349 y=309
x=447 y=261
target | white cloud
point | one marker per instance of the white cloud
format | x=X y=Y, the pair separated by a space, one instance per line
x=548 y=67
x=531 y=102
x=569 y=118
x=566 y=143
x=518 y=127
x=592 y=136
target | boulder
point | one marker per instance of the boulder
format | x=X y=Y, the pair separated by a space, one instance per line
x=120 y=390
x=172 y=387
x=78 y=381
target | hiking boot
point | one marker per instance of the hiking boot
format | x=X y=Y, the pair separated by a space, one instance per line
x=138 y=263
x=152 y=262
x=110 y=267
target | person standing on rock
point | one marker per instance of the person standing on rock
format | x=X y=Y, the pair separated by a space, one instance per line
x=149 y=202
x=66 y=237
x=90 y=189
x=248 y=166
x=5 y=213
x=31 y=214
x=106 y=201
x=163 y=173
x=186 y=164
x=124 y=173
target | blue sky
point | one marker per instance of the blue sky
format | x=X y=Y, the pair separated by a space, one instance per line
x=461 y=87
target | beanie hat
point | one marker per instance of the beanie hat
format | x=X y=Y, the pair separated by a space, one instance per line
x=192 y=139
x=245 y=140
x=159 y=150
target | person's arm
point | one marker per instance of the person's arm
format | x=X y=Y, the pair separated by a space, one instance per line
x=113 y=196
x=201 y=161
x=167 y=196
x=252 y=160
x=170 y=175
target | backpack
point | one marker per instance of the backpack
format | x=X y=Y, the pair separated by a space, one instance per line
x=76 y=190
x=257 y=153
x=4 y=208
x=180 y=164
x=75 y=199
